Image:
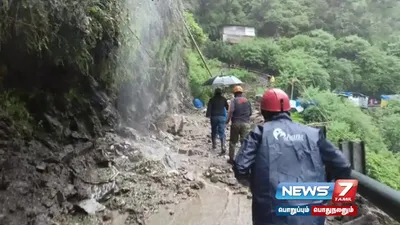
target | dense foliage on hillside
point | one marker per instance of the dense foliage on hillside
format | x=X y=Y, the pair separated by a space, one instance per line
x=67 y=34
x=348 y=122
x=49 y=50
x=317 y=59
x=373 y=20
x=322 y=46
x=346 y=45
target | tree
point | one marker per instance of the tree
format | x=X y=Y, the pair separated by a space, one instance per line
x=347 y=122
x=372 y=20
x=198 y=34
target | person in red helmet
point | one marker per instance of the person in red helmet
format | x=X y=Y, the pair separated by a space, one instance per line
x=239 y=114
x=279 y=151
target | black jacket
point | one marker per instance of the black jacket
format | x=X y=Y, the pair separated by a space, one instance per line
x=216 y=106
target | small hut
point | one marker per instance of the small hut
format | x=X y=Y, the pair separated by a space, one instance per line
x=236 y=33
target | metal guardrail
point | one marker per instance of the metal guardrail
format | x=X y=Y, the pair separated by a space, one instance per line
x=380 y=195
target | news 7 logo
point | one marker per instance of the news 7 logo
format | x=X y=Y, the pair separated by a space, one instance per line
x=345 y=191
x=342 y=191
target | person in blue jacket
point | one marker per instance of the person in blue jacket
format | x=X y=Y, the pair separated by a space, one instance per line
x=283 y=151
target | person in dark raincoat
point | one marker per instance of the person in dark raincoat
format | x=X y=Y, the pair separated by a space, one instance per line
x=216 y=111
x=283 y=151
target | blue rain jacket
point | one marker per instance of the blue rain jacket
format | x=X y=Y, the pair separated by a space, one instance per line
x=283 y=151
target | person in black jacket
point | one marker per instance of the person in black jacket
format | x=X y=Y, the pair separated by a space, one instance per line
x=216 y=110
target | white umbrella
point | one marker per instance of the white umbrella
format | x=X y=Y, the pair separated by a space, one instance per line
x=223 y=81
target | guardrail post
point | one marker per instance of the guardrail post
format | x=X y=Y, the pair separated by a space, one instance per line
x=345 y=146
x=351 y=153
x=323 y=128
x=355 y=152
x=363 y=158
x=358 y=157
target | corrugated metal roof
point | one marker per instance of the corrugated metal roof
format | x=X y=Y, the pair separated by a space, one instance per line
x=237 y=25
x=389 y=97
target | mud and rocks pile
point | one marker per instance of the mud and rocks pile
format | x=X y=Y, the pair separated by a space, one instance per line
x=367 y=215
x=224 y=174
x=142 y=183
x=256 y=118
x=116 y=179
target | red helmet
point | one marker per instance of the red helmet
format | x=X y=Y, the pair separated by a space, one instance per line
x=275 y=100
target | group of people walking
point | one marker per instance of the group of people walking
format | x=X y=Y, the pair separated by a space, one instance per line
x=237 y=112
x=277 y=151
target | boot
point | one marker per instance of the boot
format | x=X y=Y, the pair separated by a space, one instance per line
x=214 y=143
x=223 y=146
x=231 y=153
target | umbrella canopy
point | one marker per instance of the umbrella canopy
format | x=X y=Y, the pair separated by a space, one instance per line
x=222 y=81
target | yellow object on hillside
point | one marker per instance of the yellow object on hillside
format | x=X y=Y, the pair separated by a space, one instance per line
x=386 y=98
x=272 y=79
x=384 y=103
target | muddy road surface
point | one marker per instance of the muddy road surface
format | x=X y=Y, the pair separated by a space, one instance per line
x=215 y=205
x=221 y=200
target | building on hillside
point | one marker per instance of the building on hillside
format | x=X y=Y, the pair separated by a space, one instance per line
x=357 y=99
x=236 y=33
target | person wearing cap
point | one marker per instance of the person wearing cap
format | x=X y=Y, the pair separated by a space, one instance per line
x=216 y=111
x=279 y=151
x=239 y=113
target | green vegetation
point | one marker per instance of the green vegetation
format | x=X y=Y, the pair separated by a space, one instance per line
x=351 y=45
x=317 y=59
x=57 y=33
x=60 y=45
x=322 y=46
x=198 y=73
x=297 y=117
x=12 y=107
x=371 y=20
x=199 y=36
x=381 y=142
x=386 y=120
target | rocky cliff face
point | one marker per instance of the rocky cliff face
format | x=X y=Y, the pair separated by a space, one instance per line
x=154 y=86
x=47 y=164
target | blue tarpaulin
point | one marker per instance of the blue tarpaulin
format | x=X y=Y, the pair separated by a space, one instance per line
x=197 y=103
x=296 y=103
x=347 y=93
x=300 y=104
x=305 y=103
